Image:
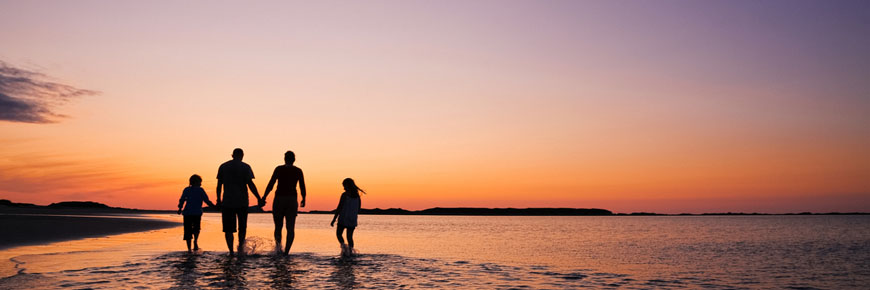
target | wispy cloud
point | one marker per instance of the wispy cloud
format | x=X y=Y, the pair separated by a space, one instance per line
x=30 y=97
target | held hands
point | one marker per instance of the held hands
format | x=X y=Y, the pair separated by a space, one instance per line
x=261 y=202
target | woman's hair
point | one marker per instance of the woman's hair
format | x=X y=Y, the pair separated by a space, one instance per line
x=350 y=186
x=195 y=180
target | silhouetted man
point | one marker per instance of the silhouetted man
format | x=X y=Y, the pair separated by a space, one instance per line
x=235 y=177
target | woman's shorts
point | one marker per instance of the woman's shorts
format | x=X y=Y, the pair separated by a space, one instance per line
x=284 y=207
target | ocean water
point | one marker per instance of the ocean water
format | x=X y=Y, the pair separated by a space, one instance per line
x=679 y=252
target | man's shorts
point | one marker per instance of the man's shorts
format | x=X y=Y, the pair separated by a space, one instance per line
x=229 y=216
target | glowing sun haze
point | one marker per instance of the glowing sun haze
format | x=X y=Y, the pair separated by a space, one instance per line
x=662 y=106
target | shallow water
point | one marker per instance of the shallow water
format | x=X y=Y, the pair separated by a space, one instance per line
x=718 y=252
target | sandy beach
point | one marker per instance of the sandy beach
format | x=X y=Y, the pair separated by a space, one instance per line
x=27 y=227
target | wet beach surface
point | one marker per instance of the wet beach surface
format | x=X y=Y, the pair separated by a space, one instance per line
x=770 y=252
x=26 y=228
x=181 y=270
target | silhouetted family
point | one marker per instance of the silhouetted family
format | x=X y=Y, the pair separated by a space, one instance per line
x=236 y=177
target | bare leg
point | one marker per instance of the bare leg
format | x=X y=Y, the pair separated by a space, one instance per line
x=229 y=238
x=188 y=228
x=243 y=228
x=338 y=231
x=350 y=238
x=196 y=222
x=241 y=242
x=291 y=233
x=228 y=219
x=279 y=222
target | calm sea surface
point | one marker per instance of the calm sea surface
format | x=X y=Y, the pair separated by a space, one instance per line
x=718 y=252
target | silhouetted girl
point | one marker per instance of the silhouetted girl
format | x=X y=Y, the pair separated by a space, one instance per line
x=346 y=213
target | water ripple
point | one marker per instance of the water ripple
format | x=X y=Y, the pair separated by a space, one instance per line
x=179 y=270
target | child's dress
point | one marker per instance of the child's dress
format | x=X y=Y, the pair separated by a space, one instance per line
x=349 y=211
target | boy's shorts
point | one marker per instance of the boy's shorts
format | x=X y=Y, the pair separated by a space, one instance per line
x=229 y=216
x=191 y=225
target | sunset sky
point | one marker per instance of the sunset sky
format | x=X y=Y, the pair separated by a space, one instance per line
x=661 y=106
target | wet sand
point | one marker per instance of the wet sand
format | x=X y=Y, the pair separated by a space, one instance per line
x=21 y=228
x=747 y=252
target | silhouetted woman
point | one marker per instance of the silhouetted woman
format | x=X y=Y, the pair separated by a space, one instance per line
x=284 y=205
x=346 y=213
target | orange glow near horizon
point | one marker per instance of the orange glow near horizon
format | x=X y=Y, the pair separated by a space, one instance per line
x=624 y=106
x=702 y=182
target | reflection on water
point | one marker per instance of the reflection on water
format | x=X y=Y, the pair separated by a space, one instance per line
x=181 y=270
x=232 y=273
x=766 y=252
x=343 y=275
x=282 y=273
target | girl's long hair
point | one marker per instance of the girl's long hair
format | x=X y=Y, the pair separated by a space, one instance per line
x=351 y=187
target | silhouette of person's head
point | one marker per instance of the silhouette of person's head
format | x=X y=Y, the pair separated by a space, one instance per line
x=289 y=157
x=238 y=154
x=195 y=180
x=350 y=186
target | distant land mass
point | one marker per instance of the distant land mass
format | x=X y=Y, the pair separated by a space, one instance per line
x=78 y=204
x=485 y=211
x=68 y=207
x=89 y=207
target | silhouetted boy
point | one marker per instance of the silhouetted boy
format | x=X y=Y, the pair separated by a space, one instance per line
x=193 y=196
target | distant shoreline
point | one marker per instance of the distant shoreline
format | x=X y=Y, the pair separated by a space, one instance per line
x=27 y=224
x=483 y=211
x=92 y=208
x=552 y=212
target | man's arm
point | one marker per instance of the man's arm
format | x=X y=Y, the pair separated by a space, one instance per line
x=302 y=187
x=253 y=187
x=218 y=190
x=220 y=185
